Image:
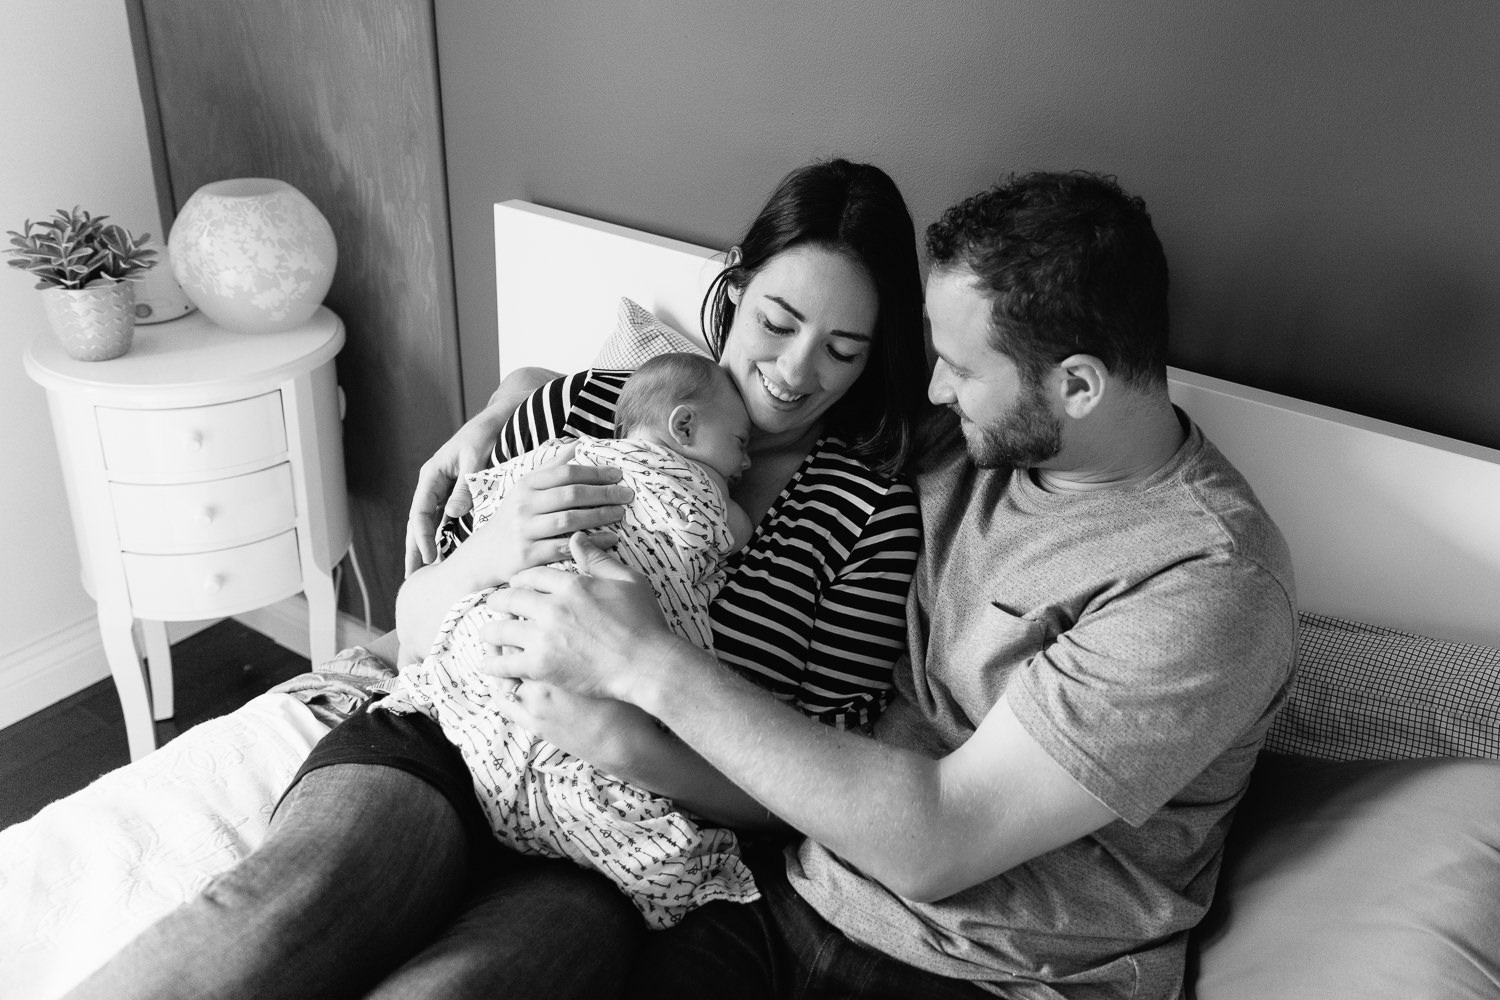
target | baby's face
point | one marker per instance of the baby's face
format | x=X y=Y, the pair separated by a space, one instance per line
x=723 y=433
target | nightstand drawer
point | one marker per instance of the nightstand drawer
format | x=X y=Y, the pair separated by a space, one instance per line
x=192 y=439
x=205 y=584
x=196 y=517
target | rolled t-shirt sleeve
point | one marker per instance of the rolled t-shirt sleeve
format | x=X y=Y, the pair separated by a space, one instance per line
x=1145 y=691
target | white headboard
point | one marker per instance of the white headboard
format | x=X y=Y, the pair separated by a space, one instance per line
x=1387 y=525
x=559 y=277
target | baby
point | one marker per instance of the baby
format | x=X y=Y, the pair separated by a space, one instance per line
x=681 y=434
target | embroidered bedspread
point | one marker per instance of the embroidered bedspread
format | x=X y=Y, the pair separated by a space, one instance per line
x=90 y=871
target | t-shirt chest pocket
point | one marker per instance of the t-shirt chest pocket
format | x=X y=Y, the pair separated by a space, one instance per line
x=978 y=657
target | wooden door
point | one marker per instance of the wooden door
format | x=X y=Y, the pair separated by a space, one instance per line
x=340 y=99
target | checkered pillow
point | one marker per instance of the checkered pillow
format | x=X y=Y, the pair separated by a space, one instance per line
x=1364 y=692
x=639 y=336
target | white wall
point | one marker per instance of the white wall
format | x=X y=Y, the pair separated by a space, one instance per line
x=74 y=137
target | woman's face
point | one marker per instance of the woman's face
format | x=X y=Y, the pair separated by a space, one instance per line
x=802 y=332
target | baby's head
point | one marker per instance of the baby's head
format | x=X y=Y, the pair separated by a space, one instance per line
x=687 y=403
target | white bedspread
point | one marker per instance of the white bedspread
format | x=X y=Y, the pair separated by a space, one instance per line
x=90 y=871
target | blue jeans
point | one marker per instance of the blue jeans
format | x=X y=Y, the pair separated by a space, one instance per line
x=777 y=946
x=368 y=884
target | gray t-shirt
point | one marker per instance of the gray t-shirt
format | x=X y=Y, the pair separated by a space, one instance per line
x=1145 y=636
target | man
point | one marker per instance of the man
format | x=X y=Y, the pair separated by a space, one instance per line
x=1100 y=631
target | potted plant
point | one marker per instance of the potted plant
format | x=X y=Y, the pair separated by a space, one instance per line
x=83 y=265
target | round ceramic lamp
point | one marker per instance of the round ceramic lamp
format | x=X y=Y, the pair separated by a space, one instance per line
x=253 y=253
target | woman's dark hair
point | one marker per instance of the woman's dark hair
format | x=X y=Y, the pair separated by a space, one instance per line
x=1071 y=264
x=855 y=210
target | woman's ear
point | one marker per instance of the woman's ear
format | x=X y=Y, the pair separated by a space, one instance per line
x=732 y=259
x=681 y=425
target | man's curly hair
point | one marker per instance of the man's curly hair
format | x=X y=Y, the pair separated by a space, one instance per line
x=1071 y=265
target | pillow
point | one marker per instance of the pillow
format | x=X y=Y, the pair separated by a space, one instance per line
x=1362 y=880
x=1365 y=692
x=638 y=337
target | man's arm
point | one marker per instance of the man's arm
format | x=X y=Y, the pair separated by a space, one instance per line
x=624 y=741
x=925 y=828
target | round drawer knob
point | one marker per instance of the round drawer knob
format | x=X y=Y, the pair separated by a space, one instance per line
x=194 y=441
x=213 y=584
x=205 y=517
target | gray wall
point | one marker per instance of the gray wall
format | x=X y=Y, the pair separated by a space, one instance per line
x=1323 y=174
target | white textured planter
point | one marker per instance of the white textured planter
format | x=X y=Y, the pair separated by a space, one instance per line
x=96 y=323
x=253 y=253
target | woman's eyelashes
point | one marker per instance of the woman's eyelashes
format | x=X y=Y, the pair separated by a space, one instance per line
x=773 y=329
x=786 y=331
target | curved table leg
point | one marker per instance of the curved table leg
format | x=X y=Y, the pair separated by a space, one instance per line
x=116 y=629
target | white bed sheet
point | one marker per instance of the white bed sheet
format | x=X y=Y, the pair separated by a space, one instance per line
x=90 y=871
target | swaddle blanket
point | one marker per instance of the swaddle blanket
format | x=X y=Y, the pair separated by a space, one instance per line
x=540 y=800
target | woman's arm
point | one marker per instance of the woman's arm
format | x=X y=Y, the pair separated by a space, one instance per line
x=440 y=482
x=530 y=527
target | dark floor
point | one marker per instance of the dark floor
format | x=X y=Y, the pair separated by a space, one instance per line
x=67 y=745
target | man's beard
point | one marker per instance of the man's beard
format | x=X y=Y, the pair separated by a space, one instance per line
x=1027 y=435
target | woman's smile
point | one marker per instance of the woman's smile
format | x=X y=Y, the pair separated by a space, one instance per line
x=786 y=397
x=801 y=337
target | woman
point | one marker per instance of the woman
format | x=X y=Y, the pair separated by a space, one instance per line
x=817 y=318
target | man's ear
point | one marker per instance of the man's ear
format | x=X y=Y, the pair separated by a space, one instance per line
x=682 y=424
x=1083 y=381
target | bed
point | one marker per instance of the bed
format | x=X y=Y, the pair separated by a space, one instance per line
x=1365 y=858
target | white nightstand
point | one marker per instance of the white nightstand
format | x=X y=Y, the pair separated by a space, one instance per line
x=205 y=477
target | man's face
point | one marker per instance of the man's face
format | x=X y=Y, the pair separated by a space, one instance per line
x=1007 y=421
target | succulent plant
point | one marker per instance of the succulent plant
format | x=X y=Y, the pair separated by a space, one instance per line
x=74 y=249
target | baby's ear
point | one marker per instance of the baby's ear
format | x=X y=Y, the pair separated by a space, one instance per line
x=681 y=425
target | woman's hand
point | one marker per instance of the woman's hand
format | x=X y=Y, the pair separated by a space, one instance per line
x=441 y=490
x=529 y=528
x=440 y=481
x=533 y=522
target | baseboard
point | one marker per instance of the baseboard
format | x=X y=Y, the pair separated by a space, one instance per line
x=285 y=623
x=48 y=670
x=67 y=661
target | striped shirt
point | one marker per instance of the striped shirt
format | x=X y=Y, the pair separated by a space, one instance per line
x=814 y=608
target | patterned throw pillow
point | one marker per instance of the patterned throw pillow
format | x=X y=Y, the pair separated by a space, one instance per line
x=638 y=337
x=1369 y=693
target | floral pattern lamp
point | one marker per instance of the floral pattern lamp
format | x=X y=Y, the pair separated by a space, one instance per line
x=253 y=253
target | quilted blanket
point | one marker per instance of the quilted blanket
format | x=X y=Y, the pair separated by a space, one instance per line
x=90 y=871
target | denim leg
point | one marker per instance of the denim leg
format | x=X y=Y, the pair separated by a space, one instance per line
x=724 y=950
x=778 y=946
x=823 y=964
x=528 y=927
x=360 y=862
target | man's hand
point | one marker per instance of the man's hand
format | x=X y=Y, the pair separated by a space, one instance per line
x=597 y=632
x=609 y=734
